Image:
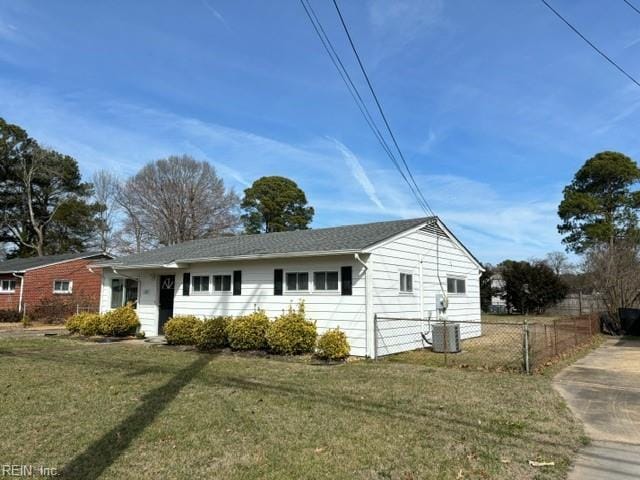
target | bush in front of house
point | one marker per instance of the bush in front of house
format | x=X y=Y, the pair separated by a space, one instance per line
x=74 y=322
x=333 y=345
x=90 y=325
x=120 y=322
x=291 y=333
x=212 y=333
x=248 y=332
x=182 y=330
x=10 y=316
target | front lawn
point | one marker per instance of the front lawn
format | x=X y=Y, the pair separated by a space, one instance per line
x=132 y=412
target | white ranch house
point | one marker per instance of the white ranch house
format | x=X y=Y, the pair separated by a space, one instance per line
x=347 y=277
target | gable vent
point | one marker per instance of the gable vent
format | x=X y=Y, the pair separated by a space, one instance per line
x=434 y=229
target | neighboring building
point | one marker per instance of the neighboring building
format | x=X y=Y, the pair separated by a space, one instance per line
x=345 y=275
x=498 y=304
x=37 y=280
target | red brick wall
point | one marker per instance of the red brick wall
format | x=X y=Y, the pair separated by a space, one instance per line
x=38 y=285
x=9 y=301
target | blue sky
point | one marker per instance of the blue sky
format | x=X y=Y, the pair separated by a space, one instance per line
x=496 y=103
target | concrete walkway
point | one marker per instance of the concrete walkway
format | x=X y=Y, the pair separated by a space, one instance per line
x=603 y=390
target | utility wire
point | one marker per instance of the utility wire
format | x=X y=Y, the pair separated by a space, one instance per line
x=604 y=55
x=357 y=97
x=632 y=6
x=353 y=90
x=380 y=109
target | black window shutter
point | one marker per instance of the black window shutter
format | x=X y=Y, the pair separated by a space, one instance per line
x=347 y=281
x=237 y=282
x=277 y=281
x=186 y=284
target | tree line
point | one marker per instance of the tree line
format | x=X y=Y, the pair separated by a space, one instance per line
x=47 y=208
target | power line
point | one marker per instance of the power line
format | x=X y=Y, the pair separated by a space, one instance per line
x=604 y=55
x=375 y=97
x=353 y=90
x=357 y=97
x=632 y=6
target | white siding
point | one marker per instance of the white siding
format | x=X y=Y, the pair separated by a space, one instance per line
x=147 y=308
x=403 y=254
x=328 y=310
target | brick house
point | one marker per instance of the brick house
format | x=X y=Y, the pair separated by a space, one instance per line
x=52 y=279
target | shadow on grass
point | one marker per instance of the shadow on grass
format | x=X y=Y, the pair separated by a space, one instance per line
x=98 y=456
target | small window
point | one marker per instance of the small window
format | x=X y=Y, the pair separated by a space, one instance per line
x=117 y=292
x=456 y=285
x=131 y=292
x=200 y=284
x=325 y=281
x=124 y=291
x=297 y=281
x=406 y=282
x=8 y=286
x=62 y=286
x=222 y=283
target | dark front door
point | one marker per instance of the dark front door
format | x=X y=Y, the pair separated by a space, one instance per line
x=167 y=292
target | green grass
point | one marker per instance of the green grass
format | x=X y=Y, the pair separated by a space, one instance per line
x=137 y=412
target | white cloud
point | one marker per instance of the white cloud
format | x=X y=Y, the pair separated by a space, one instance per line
x=8 y=31
x=215 y=13
x=358 y=172
x=427 y=146
x=399 y=22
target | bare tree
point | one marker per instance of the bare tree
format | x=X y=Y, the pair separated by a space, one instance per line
x=614 y=271
x=106 y=187
x=177 y=199
x=132 y=237
x=559 y=263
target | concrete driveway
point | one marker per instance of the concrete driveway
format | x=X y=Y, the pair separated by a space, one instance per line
x=603 y=390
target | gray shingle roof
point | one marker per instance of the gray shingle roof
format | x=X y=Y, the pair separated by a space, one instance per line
x=349 y=238
x=22 y=264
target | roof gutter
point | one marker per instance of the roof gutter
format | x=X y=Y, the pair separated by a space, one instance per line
x=184 y=262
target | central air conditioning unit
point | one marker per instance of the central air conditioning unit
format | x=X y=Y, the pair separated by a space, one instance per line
x=446 y=337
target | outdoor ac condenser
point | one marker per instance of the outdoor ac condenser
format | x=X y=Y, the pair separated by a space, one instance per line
x=446 y=337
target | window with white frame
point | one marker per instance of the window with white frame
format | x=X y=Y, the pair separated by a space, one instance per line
x=124 y=291
x=200 y=283
x=7 y=286
x=222 y=283
x=325 y=281
x=456 y=285
x=406 y=282
x=62 y=286
x=297 y=281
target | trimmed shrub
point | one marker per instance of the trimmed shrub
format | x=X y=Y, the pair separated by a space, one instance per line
x=333 y=345
x=74 y=322
x=291 y=333
x=182 y=330
x=120 y=322
x=90 y=325
x=212 y=333
x=248 y=332
x=7 y=316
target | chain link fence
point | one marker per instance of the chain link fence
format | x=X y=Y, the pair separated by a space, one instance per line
x=510 y=345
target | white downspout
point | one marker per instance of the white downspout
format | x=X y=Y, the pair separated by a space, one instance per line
x=370 y=350
x=21 y=290
x=420 y=273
